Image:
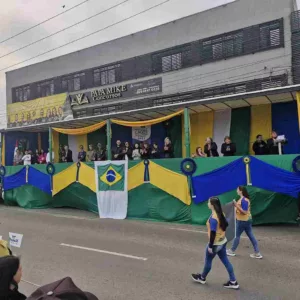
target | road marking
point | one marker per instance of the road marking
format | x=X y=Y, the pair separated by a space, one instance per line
x=105 y=252
x=34 y=284
x=196 y=231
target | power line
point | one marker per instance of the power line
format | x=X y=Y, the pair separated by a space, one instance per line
x=64 y=29
x=43 y=22
x=88 y=35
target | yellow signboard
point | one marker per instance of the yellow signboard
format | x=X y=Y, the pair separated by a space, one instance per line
x=42 y=110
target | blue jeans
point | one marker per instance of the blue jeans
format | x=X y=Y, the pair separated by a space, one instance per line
x=224 y=259
x=246 y=226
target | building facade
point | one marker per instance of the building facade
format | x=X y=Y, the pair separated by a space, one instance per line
x=240 y=47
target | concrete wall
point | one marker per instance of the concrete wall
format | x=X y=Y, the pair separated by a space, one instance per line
x=236 y=15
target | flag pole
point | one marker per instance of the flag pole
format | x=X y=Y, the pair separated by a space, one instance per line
x=108 y=136
x=187 y=133
x=50 y=144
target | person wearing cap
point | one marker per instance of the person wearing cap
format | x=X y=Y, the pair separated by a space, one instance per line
x=10 y=277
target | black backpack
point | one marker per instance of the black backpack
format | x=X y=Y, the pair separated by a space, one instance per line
x=64 y=289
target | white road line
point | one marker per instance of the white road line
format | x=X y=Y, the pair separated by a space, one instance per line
x=196 y=231
x=34 y=284
x=105 y=252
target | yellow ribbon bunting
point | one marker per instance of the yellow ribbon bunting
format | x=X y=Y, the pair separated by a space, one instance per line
x=147 y=122
x=81 y=131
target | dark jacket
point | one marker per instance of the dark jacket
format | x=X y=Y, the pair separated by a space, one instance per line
x=155 y=153
x=118 y=150
x=213 y=150
x=82 y=156
x=169 y=152
x=273 y=146
x=9 y=266
x=260 y=148
x=100 y=154
x=69 y=156
x=146 y=153
x=228 y=149
x=128 y=152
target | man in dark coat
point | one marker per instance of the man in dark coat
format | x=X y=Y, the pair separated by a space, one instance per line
x=118 y=151
x=260 y=146
x=228 y=148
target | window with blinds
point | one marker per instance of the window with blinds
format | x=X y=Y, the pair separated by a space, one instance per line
x=74 y=82
x=22 y=94
x=45 y=88
x=107 y=75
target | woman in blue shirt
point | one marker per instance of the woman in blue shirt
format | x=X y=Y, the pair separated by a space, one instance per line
x=216 y=226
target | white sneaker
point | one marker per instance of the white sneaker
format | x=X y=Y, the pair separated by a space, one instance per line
x=256 y=255
x=229 y=252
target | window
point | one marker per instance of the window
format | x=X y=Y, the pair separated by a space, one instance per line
x=22 y=94
x=45 y=89
x=270 y=35
x=73 y=82
x=171 y=62
x=80 y=114
x=107 y=75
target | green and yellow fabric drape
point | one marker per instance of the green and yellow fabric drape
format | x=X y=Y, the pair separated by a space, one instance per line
x=81 y=131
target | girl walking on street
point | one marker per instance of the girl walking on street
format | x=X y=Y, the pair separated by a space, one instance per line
x=216 y=226
x=244 y=223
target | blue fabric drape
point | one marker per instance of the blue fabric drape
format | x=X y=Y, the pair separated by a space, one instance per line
x=219 y=181
x=16 y=180
x=39 y=180
x=285 y=121
x=274 y=179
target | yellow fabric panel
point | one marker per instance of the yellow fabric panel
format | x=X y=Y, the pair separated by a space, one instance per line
x=298 y=106
x=4 y=248
x=136 y=176
x=87 y=177
x=202 y=126
x=148 y=122
x=172 y=183
x=81 y=131
x=64 y=179
x=55 y=145
x=82 y=140
x=3 y=150
x=261 y=123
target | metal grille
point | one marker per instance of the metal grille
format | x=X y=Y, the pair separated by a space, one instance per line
x=295 y=24
x=45 y=88
x=74 y=82
x=106 y=75
x=22 y=94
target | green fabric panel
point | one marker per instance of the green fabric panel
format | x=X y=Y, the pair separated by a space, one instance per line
x=240 y=129
x=175 y=132
x=283 y=161
x=76 y=196
x=28 y=196
x=10 y=170
x=98 y=136
x=150 y=202
x=63 y=139
x=208 y=164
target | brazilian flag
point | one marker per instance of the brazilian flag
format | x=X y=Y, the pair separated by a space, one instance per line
x=112 y=190
x=111 y=178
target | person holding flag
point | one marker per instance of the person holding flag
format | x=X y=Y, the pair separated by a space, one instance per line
x=216 y=226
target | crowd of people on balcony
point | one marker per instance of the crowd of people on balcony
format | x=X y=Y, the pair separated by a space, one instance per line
x=260 y=147
x=143 y=150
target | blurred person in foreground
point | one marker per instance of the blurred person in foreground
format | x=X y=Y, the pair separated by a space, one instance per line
x=10 y=277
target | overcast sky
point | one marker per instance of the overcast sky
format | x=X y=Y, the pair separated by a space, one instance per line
x=18 y=15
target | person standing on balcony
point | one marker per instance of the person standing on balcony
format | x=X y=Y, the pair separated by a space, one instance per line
x=228 y=148
x=211 y=148
x=168 y=149
x=260 y=146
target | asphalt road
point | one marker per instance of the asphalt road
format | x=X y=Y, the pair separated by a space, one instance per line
x=142 y=260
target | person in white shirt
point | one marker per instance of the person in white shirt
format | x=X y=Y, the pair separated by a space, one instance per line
x=26 y=158
x=48 y=157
